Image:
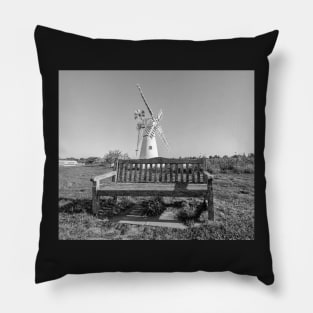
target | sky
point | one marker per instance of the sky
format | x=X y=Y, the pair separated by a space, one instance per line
x=204 y=112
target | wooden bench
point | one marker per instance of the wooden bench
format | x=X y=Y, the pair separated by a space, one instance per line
x=156 y=177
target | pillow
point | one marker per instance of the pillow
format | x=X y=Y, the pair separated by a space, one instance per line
x=154 y=155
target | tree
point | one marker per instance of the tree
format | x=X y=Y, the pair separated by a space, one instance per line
x=125 y=156
x=112 y=156
x=90 y=160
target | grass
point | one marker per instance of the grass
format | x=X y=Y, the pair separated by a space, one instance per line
x=233 y=203
x=74 y=182
x=238 y=164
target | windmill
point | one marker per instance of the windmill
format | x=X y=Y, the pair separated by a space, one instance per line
x=147 y=128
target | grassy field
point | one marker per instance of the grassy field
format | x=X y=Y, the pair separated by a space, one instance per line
x=233 y=203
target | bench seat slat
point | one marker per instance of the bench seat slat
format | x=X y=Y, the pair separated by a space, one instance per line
x=153 y=186
x=153 y=189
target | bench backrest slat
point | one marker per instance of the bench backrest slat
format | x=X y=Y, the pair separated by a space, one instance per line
x=140 y=173
x=193 y=173
x=154 y=174
x=125 y=172
x=160 y=170
x=150 y=172
x=176 y=172
x=198 y=174
x=135 y=174
x=187 y=173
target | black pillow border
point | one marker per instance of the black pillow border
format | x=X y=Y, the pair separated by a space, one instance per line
x=58 y=50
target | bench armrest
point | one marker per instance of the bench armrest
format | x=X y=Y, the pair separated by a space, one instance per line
x=101 y=177
x=208 y=175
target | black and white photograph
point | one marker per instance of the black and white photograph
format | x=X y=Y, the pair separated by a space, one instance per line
x=156 y=155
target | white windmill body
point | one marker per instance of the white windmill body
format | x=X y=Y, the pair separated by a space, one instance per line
x=149 y=148
x=147 y=130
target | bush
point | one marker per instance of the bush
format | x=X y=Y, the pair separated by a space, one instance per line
x=190 y=211
x=249 y=169
x=125 y=203
x=154 y=207
x=235 y=164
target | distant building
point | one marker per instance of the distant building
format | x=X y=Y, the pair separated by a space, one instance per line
x=68 y=163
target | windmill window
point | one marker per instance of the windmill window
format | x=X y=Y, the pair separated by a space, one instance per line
x=150 y=147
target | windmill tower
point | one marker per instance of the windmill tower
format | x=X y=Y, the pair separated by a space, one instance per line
x=147 y=128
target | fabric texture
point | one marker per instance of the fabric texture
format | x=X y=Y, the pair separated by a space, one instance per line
x=60 y=51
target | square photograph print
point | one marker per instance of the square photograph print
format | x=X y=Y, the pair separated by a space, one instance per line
x=156 y=155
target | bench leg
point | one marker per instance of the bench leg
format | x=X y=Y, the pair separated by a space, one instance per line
x=95 y=200
x=210 y=201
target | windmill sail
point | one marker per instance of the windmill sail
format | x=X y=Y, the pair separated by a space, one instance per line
x=153 y=129
x=144 y=100
x=160 y=133
x=147 y=132
x=155 y=123
x=160 y=115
